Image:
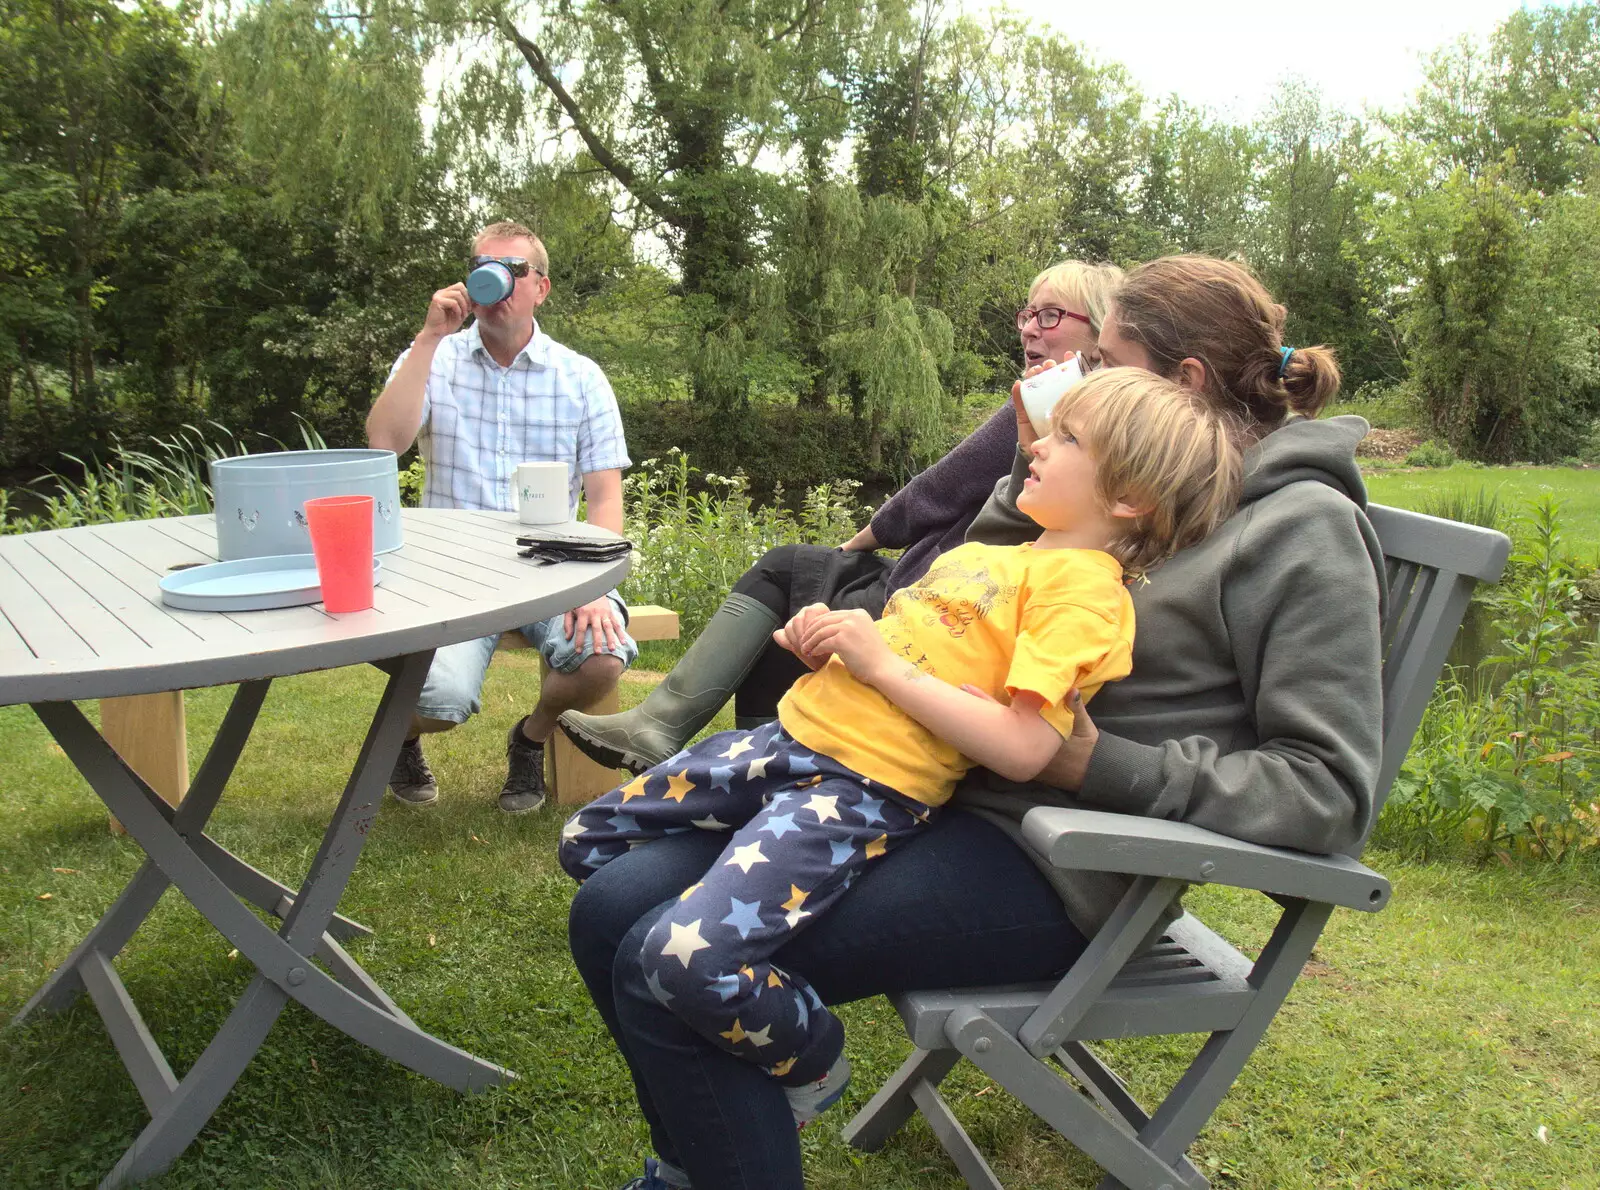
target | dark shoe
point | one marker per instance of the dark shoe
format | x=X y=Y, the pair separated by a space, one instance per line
x=686 y=699
x=412 y=780
x=652 y=1179
x=524 y=787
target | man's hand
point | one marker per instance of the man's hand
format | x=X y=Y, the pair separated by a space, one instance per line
x=447 y=311
x=854 y=637
x=792 y=633
x=602 y=617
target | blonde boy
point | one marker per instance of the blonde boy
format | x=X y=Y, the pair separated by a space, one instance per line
x=873 y=741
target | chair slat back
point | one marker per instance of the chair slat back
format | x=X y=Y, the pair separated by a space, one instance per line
x=1431 y=565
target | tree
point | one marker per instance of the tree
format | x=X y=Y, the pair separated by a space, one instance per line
x=1534 y=92
x=1310 y=237
x=679 y=103
x=80 y=83
x=1499 y=327
x=1196 y=186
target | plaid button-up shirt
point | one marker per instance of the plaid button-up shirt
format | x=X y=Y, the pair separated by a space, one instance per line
x=480 y=420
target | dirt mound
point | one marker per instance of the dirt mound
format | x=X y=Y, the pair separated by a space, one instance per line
x=1388 y=444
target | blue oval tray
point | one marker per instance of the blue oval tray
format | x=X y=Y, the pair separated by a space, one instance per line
x=249 y=584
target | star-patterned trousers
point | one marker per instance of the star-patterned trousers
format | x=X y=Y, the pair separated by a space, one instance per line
x=801 y=827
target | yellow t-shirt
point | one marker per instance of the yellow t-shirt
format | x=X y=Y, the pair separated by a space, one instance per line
x=1001 y=618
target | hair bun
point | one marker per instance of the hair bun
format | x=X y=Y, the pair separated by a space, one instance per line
x=1310 y=379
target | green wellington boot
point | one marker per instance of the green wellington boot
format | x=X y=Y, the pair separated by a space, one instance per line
x=686 y=698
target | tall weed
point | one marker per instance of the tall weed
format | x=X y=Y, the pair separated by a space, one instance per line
x=694 y=545
x=168 y=478
x=1507 y=757
x=1476 y=507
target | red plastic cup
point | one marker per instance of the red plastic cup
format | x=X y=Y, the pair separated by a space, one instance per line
x=341 y=540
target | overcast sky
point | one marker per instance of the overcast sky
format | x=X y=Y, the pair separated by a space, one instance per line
x=1230 y=54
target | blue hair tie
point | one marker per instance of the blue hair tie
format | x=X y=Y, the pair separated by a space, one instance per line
x=1283 y=364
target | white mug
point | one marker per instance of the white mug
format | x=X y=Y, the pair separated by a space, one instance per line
x=541 y=493
x=1040 y=393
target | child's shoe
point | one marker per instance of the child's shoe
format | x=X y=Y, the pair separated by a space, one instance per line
x=811 y=1100
x=652 y=1179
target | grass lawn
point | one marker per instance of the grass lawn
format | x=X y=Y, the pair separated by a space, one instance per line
x=1450 y=1041
x=1577 y=489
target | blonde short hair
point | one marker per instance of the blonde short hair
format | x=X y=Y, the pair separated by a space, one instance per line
x=506 y=229
x=1088 y=287
x=1157 y=445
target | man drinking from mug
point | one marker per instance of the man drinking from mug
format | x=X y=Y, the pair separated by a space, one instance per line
x=477 y=402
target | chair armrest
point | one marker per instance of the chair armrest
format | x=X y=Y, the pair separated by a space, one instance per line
x=1096 y=841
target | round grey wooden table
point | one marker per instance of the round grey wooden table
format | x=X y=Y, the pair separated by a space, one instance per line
x=81 y=617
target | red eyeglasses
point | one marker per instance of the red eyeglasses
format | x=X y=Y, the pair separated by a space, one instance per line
x=1049 y=317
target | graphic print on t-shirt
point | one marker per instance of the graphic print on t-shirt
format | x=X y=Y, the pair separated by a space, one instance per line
x=952 y=595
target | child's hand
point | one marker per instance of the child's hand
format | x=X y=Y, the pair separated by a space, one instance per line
x=854 y=637
x=792 y=633
x=1026 y=434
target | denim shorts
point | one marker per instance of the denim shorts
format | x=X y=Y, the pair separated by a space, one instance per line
x=455 y=679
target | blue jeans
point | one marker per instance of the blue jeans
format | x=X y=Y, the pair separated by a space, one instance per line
x=798 y=830
x=957 y=905
x=455 y=679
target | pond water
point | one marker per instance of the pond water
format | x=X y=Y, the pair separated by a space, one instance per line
x=1477 y=638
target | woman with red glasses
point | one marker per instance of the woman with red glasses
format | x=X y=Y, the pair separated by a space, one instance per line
x=735 y=653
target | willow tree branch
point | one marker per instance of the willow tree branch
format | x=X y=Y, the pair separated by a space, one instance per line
x=619 y=169
x=806 y=13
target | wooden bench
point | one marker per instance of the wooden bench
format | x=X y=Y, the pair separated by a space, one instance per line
x=149 y=731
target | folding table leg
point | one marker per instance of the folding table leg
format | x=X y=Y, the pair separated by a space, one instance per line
x=109 y=936
x=209 y=1080
x=129 y=910
x=282 y=959
x=262 y=890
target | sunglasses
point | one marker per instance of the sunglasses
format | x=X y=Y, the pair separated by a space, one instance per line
x=517 y=266
x=1049 y=316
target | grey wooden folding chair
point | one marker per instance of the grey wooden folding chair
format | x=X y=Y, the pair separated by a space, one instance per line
x=1193 y=980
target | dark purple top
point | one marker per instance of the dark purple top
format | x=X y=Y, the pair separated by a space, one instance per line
x=931 y=513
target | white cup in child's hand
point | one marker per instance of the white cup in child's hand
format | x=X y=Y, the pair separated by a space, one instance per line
x=1040 y=393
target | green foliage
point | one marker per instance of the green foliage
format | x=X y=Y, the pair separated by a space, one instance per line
x=1590 y=451
x=1507 y=757
x=1385 y=406
x=1315 y=188
x=333 y=102
x=412 y=481
x=95 y=101
x=239 y=213
x=1478 y=506
x=1431 y=453
x=169 y=477
x=1492 y=239
x=1530 y=93
x=781 y=445
x=1475 y=989
x=694 y=545
x=152 y=274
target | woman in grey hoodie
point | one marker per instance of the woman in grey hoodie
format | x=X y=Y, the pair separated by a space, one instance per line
x=1253 y=709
